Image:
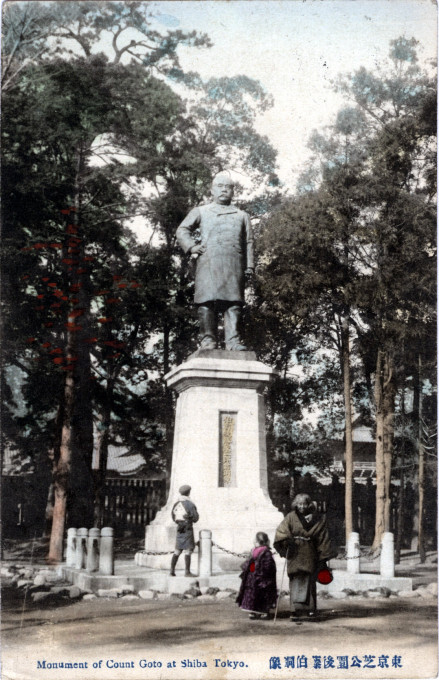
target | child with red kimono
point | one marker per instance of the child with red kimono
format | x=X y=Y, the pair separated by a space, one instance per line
x=258 y=593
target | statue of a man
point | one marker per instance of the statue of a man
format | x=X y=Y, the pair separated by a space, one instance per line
x=224 y=257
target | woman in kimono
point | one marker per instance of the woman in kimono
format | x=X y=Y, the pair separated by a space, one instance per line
x=258 y=593
x=302 y=537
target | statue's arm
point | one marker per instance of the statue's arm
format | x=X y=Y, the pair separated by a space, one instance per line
x=184 y=231
x=250 y=261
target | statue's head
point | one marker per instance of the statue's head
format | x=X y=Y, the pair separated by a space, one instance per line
x=222 y=188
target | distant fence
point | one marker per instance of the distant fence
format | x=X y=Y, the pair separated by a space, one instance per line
x=131 y=504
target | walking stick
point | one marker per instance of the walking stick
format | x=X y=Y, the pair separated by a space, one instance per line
x=281 y=584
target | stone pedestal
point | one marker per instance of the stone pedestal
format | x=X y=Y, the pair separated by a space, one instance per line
x=219 y=449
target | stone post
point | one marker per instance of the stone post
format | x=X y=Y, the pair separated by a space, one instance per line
x=205 y=553
x=93 y=550
x=387 y=557
x=353 y=554
x=81 y=548
x=106 y=557
x=71 y=548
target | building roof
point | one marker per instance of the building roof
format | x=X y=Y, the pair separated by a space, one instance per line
x=125 y=464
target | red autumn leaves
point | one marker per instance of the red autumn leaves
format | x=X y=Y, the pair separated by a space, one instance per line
x=73 y=262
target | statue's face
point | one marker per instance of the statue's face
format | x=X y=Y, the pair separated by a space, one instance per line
x=222 y=190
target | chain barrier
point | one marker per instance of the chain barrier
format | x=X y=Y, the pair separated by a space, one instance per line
x=364 y=552
x=229 y=552
x=156 y=552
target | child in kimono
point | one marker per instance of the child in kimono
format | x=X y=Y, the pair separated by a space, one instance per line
x=258 y=593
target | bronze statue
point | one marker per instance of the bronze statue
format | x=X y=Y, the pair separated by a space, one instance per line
x=224 y=257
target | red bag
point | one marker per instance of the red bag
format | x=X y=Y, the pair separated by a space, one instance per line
x=252 y=566
x=325 y=576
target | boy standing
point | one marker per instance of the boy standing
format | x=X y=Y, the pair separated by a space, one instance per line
x=184 y=514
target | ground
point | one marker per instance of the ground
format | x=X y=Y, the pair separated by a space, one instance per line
x=131 y=638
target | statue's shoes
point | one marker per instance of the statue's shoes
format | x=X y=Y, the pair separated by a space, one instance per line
x=237 y=347
x=208 y=344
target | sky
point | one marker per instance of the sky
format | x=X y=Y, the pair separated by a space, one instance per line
x=294 y=48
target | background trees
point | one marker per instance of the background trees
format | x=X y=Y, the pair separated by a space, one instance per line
x=78 y=248
x=351 y=258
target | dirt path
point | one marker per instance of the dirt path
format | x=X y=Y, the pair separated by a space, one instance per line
x=129 y=639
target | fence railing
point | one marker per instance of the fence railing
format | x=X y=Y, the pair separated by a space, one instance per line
x=131 y=504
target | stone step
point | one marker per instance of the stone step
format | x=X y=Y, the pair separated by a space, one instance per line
x=143 y=579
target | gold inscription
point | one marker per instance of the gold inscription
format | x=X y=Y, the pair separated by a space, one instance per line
x=227 y=445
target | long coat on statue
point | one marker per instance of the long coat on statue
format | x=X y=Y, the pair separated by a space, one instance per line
x=258 y=586
x=307 y=542
x=226 y=232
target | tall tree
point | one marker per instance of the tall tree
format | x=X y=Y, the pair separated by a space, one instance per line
x=129 y=113
x=394 y=101
x=362 y=220
x=308 y=281
x=34 y=33
x=77 y=98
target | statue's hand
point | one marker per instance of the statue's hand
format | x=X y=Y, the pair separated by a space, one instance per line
x=198 y=249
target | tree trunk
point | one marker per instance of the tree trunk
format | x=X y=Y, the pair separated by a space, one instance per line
x=421 y=471
x=379 y=455
x=169 y=410
x=54 y=456
x=48 y=512
x=384 y=394
x=349 y=462
x=101 y=473
x=72 y=469
x=401 y=495
x=80 y=506
x=62 y=474
x=388 y=430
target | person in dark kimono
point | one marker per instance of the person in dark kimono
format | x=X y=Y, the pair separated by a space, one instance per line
x=258 y=593
x=303 y=538
x=224 y=255
x=184 y=514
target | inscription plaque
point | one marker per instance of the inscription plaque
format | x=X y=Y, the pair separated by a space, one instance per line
x=227 y=449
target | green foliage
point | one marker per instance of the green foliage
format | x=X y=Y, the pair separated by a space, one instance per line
x=98 y=129
x=77 y=28
x=56 y=112
x=358 y=239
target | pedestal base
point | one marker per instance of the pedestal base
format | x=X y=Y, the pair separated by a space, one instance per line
x=219 y=449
